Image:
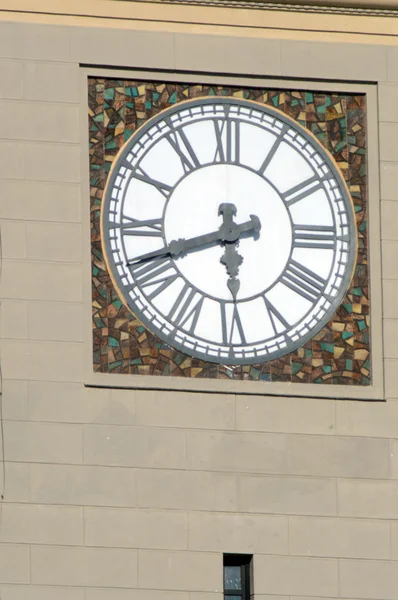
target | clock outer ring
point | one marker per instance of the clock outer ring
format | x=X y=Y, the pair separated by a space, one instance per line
x=330 y=161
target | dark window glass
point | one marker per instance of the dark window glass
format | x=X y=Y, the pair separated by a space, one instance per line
x=237 y=576
x=233 y=578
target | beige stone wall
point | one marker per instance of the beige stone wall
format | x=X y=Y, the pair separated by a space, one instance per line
x=118 y=494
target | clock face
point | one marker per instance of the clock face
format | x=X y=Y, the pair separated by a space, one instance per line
x=228 y=230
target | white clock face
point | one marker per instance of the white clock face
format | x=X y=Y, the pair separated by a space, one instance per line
x=228 y=230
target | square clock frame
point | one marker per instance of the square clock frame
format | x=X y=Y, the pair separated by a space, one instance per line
x=344 y=358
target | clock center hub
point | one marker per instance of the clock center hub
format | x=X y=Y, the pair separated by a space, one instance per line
x=193 y=210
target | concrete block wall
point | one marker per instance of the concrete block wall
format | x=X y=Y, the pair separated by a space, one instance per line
x=116 y=494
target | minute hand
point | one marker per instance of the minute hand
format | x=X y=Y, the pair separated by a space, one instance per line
x=223 y=234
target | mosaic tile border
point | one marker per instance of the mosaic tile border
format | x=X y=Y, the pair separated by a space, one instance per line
x=340 y=353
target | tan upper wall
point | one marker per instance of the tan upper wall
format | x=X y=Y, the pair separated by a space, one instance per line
x=192 y=42
x=227 y=20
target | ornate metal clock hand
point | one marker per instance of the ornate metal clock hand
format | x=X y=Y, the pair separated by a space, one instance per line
x=227 y=233
x=231 y=257
x=232 y=260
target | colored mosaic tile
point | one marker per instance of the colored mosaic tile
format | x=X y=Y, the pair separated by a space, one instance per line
x=340 y=352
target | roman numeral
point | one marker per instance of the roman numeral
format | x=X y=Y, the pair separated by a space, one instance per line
x=227 y=139
x=159 y=272
x=275 y=316
x=185 y=311
x=181 y=145
x=163 y=188
x=150 y=227
x=319 y=237
x=303 y=281
x=234 y=329
x=303 y=189
x=273 y=150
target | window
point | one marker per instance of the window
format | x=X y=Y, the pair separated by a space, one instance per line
x=237 y=576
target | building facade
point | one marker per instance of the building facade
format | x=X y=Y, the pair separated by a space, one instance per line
x=138 y=467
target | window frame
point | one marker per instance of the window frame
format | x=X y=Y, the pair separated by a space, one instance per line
x=373 y=392
x=244 y=562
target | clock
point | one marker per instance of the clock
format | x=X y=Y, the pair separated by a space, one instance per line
x=228 y=230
